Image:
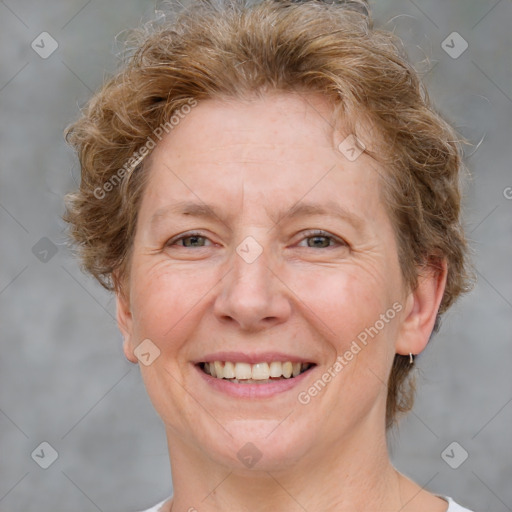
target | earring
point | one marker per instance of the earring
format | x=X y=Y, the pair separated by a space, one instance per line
x=411 y=358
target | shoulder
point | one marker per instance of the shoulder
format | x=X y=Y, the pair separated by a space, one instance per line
x=454 y=507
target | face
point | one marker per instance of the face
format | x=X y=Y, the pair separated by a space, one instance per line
x=260 y=244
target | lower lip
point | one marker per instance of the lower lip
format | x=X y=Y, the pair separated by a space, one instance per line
x=253 y=390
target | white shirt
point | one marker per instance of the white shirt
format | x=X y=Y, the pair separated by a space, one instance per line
x=452 y=506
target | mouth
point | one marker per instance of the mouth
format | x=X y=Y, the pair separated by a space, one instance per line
x=258 y=373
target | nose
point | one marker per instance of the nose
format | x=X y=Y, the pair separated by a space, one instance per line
x=252 y=296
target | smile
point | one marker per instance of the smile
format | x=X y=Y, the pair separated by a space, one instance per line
x=259 y=373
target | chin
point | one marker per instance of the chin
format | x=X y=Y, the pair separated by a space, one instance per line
x=257 y=444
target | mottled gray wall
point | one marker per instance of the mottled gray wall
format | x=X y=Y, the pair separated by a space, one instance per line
x=64 y=379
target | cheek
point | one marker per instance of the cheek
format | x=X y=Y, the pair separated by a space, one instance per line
x=341 y=301
x=166 y=301
x=347 y=307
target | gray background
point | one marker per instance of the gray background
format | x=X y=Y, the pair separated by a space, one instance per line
x=64 y=379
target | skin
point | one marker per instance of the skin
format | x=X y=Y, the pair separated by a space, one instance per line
x=304 y=295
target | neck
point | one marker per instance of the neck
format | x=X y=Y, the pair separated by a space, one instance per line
x=357 y=475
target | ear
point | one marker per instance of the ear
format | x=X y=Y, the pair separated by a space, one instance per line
x=421 y=309
x=125 y=323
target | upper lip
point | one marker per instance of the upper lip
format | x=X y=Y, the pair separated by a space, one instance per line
x=252 y=358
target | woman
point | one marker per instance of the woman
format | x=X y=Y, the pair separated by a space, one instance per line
x=275 y=204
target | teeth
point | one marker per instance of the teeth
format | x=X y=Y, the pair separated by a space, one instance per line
x=229 y=371
x=254 y=372
x=260 y=371
x=243 y=371
x=276 y=369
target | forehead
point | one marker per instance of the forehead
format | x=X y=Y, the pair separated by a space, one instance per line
x=278 y=148
x=277 y=120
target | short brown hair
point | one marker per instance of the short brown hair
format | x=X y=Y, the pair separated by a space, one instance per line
x=235 y=49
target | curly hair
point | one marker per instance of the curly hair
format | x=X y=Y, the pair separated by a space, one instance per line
x=238 y=49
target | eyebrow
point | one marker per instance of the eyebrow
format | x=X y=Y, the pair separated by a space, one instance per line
x=328 y=208
x=200 y=210
x=300 y=209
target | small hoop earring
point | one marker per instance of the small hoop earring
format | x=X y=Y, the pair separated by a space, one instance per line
x=411 y=358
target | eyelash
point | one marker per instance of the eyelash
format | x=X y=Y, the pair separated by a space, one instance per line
x=307 y=234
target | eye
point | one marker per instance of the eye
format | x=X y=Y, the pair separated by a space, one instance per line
x=315 y=239
x=322 y=240
x=189 y=240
